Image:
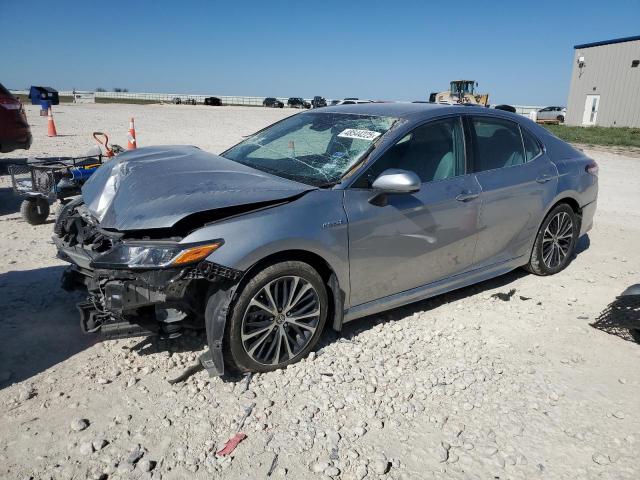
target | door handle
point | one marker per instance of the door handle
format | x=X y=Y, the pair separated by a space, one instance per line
x=467 y=196
x=544 y=178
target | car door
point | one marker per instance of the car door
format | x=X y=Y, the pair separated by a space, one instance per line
x=518 y=181
x=414 y=239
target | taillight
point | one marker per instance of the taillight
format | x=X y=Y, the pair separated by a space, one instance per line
x=592 y=168
x=9 y=103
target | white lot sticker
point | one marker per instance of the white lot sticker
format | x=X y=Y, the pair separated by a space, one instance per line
x=361 y=134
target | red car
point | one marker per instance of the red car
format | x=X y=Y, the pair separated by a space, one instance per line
x=14 y=128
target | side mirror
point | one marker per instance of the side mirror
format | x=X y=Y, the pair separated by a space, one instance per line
x=394 y=180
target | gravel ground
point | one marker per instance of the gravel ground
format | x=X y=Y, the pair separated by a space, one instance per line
x=465 y=385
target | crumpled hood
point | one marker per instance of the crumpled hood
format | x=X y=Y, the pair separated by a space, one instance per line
x=155 y=187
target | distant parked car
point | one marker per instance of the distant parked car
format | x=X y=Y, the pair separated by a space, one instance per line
x=353 y=101
x=552 y=114
x=14 y=128
x=506 y=108
x=186 y=101
x=213 y=101
x=318 y=102
x=297 y=102
x=272 y=102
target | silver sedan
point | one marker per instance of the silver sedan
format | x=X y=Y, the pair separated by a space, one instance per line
x=551 y=114
x=322 y=218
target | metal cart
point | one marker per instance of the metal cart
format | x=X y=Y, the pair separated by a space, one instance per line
x=42 y=181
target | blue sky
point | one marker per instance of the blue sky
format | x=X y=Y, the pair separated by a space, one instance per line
x=520 y=52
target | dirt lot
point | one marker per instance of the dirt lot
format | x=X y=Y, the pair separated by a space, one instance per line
x=465 y=385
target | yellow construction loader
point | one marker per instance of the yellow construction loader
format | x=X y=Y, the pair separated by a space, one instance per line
x=461 y=91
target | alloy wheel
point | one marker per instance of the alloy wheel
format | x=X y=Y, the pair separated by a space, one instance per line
x=557 y=239
x=280 y=320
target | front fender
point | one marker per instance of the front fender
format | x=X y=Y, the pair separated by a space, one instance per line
x=315 y=223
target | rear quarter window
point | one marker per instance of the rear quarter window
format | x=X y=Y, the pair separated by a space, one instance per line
x=531 y=145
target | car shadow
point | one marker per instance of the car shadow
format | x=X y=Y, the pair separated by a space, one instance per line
x=39 y=325
x=191 y=340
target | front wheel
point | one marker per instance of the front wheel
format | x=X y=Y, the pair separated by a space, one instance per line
x=277 y=319
x=555 y=242
x=35 y=210
x=560 y=118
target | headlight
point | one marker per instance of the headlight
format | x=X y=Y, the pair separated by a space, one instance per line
x=140 y=255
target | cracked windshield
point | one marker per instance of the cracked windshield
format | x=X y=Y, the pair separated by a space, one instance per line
x=312 y=148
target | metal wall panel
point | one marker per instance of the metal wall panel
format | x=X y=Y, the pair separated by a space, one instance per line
x=607 y=72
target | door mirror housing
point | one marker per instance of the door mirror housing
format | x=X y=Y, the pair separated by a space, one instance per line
x=395 y=180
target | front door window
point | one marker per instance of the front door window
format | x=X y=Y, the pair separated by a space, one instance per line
x=434 y=151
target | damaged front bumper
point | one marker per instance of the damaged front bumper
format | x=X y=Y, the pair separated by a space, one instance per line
x=124 y=303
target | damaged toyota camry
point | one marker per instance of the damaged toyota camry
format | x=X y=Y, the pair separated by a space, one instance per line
x=322 y=218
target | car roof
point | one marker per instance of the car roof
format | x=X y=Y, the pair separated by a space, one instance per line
x=409 y=111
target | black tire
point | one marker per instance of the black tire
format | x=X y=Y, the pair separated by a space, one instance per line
x=235 y=355
x=560 y=118
x=537 y=263
x=35 y=211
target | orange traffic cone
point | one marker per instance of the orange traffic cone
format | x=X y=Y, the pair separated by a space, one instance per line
x=51 y=126
x=131 y=144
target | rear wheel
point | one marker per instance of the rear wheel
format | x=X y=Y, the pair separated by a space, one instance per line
x=556 y=241
x=277 y=319
x=35 y=211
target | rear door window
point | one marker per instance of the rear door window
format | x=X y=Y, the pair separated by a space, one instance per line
x=497 y=144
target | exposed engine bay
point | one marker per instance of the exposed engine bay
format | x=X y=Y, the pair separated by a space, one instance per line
x=123 y=302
